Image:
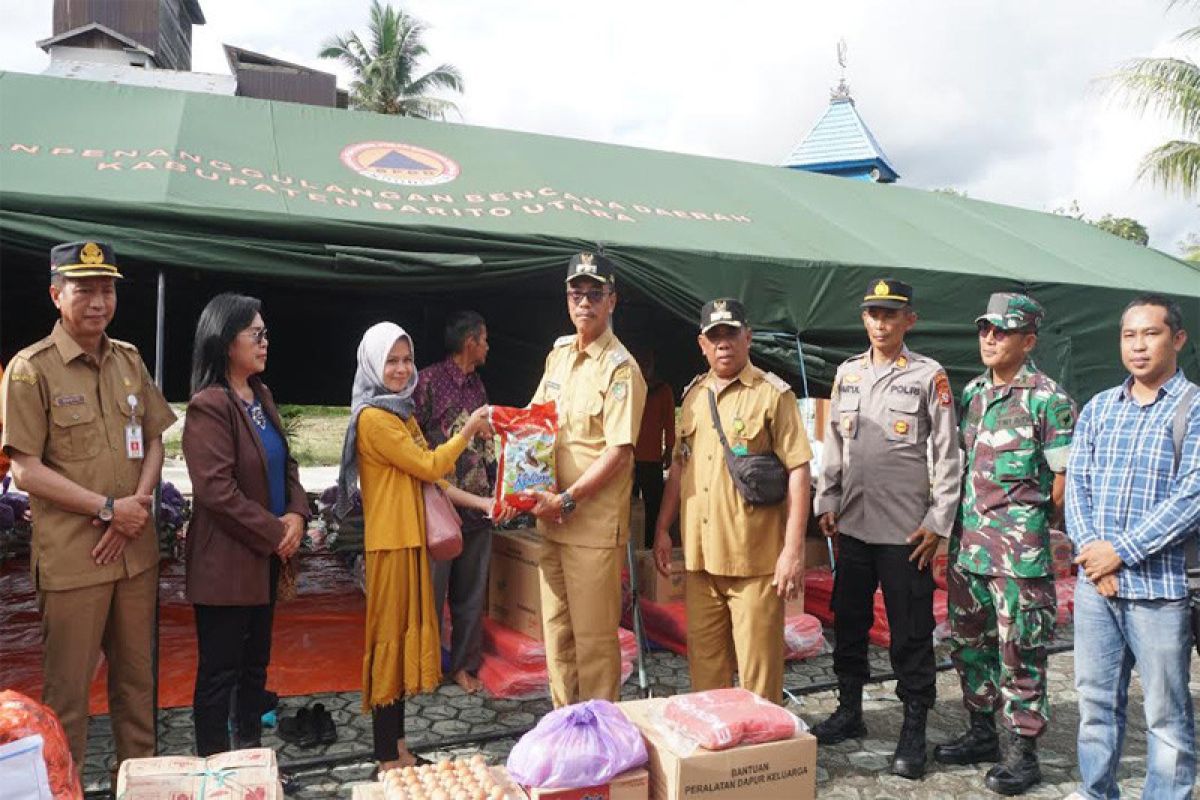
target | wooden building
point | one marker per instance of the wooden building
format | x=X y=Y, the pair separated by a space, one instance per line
x=160 y=28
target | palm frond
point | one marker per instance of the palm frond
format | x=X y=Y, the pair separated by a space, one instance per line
x=1170 y=86
x=446 y=77
x=1175 y=164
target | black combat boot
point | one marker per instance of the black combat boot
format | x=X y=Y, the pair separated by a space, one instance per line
x=846 y=722
x=909 y=759
x=1019 y=771
x=980 y=743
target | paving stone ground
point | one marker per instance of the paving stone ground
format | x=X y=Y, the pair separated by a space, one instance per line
x=451 y=723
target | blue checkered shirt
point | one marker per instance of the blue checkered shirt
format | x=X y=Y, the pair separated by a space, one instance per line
x=1122 y=487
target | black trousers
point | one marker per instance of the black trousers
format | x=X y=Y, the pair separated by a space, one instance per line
x=387 y=728
x=235 y=649
x=648 y=480
x=908 y=597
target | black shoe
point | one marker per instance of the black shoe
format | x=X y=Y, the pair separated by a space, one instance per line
x=846 y=722
x=289 y=783
x=323 y=722
x=1019 y=771
x=909 y=759
x=979 y=744
x=299 y=729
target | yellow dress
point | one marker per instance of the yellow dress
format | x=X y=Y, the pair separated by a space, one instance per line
x=402 y=651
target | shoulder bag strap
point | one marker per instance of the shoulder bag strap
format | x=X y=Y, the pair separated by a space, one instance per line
x=716 y=418
x=1178 y=431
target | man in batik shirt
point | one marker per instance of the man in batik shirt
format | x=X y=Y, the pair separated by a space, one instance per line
x=447 y=393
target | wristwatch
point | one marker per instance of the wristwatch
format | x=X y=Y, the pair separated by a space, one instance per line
x=106 y=514
x=568 y=503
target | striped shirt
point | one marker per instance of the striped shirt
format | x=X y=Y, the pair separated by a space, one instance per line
x=1122 y=487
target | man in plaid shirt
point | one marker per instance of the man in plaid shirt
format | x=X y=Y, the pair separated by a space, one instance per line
x=1130 y=514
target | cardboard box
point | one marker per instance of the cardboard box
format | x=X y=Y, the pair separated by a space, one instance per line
x=514 y=596
x=785 y=769
x=653 y=586
x=631 y=785
x=227 y=776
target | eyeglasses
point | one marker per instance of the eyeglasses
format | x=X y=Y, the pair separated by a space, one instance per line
x=593 y=296
x=257 y=335
x=1000 y=334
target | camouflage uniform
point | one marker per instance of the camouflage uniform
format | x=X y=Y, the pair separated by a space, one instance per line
x=1001 y=582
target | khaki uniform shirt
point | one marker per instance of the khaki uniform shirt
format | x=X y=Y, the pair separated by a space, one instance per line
x=722 y=534
x=600 y=394
x=62 y=406
x=891 y=461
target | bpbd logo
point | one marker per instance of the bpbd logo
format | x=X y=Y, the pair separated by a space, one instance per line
x=399 y=163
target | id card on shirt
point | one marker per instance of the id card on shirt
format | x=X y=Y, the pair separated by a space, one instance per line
x=134 y=446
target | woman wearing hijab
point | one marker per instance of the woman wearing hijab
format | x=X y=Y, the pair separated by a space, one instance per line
x=385 y=451
x=250 y=513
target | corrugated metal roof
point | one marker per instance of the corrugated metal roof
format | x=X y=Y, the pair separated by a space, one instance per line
x=839 y=136
x=139 y=76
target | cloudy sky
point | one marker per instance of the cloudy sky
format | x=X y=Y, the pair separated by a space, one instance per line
x=1000 y=100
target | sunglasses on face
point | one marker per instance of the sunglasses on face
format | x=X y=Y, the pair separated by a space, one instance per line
x=1000 y=334
x=257 y=335
x=593 y=296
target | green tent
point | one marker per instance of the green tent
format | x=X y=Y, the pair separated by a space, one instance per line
x=341 y=218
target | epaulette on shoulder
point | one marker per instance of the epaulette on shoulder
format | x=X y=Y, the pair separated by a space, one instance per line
x=692 y=384
x=35 y=348
x=124 y=345
x=563 y=341
x=618 y=356
x=776 y=381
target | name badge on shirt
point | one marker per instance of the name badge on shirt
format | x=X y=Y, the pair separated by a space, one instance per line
x=135 y=447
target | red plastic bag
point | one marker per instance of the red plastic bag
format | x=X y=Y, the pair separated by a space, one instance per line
x=526 y=454
x=505 y=680
x=21 y=717
x=803 y=637
x=722 y=718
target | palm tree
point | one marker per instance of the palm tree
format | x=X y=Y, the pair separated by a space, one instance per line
x=386 y=79
x=1171 y=87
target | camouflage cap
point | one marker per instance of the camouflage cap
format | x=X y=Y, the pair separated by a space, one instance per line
x=1010 y=311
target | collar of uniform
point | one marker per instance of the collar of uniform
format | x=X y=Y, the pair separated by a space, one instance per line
x=1024 y=379
x=901 y=361
x=596 y=349
x=749 y=376
x=68 y=348
x=1174 y=385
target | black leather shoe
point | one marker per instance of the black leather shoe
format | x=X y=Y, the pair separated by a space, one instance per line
x=909 y=759
x=979 y=744
x=846 y=721
x=323 y=721
x=1019 y=771
x=299 y=729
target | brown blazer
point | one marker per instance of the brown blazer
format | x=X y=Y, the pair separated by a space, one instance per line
x=232 y=534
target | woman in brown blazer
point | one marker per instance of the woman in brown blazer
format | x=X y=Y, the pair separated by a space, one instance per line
x=249 y=514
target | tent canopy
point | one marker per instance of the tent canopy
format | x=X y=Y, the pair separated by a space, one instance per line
x=329 y=204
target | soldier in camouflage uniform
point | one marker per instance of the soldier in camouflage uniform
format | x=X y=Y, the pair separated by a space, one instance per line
x=1016 y=433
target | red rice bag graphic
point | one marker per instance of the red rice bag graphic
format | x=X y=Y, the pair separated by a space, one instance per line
x=527 y=438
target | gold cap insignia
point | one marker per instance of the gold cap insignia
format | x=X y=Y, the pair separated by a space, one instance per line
x=586 y=258
x=91 y=253
x=881 y=289
x=718 y=305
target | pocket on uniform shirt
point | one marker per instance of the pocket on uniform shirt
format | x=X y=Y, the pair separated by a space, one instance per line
x=588 y=419
x=900 y=424
x=848 y=407
x=75 y=434
x=1016 y=461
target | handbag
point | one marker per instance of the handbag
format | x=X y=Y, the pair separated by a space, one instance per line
x=761 y=480
x=443 y=525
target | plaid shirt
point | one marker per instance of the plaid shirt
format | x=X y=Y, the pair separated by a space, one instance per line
x=1122 y=487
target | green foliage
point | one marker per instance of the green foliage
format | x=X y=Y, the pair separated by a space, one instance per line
x=1170 y=88
x=386 y=69
x=1124 y=227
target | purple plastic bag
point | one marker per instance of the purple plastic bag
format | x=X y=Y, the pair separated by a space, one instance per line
x=577 y=746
